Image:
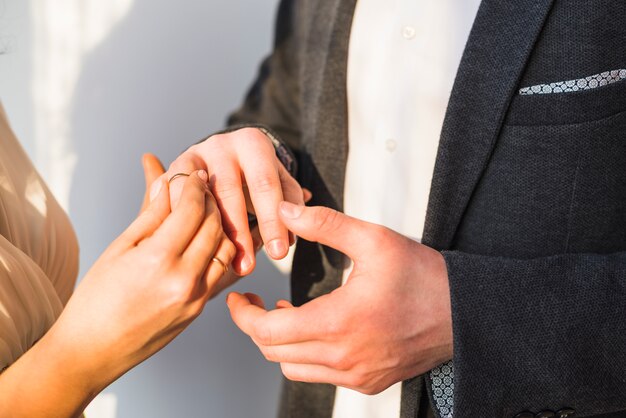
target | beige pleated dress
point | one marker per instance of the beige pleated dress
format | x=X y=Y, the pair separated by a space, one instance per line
x=38 y=252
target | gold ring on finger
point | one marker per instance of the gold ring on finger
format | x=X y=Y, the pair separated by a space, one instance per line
x=220 y=262
x=177 y=175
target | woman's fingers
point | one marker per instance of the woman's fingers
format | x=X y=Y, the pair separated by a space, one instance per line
x=149 y=220
x=178 y=171
x=207 y=239
x=178 y=230
x=219 y=266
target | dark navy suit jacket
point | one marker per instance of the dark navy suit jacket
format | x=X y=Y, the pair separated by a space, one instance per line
x=528 y=200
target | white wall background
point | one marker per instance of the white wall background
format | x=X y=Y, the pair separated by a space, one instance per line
x=90 y=85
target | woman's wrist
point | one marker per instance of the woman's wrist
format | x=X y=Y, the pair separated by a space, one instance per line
x=81 y=363
x=45 y=381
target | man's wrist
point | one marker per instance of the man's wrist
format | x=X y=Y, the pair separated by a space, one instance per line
x=282 y=152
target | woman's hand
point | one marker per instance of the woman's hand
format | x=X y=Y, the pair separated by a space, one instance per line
x=152 y=281
x=142 y=292
x=152 y=170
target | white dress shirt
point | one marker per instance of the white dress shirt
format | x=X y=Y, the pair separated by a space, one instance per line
x=403 y=58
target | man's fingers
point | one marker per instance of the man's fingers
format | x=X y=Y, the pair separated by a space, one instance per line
x=282 y=326
x=329 y=227
x=265 y=188
x=227 y=188
x=292 y=192
x=255 y=300
x=283 y=304
x=152 y=170
x=313 y=373
x=149 y=220
x=307 y=195
x=244 y=313
x=319 y=353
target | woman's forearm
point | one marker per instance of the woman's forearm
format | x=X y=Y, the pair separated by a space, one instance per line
x=48 y=381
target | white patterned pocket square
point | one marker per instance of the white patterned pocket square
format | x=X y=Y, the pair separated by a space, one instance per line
x=587 y=83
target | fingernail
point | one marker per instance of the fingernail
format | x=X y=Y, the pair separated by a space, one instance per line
x=203 y=175
x=277 y=248
x=246 y=263
x=289 y=210
x=155 y=189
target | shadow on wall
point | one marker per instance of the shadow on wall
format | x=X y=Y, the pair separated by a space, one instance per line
x=165 y=78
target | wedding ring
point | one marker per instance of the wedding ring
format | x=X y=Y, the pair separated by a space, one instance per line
x=177 y=175
x=220 y=262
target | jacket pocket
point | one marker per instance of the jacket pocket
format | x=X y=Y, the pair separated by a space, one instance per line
x=568 y=107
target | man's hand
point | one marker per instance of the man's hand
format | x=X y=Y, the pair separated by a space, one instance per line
x=152 y=170
x=391 y=321
x=245 y=176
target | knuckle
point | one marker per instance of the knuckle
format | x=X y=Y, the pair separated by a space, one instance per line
x=339 y=360
x=180 y=164
x=226 y=188
x=229 y=249
x=379 y=233
x=359 y=381
x=327 y=219
x=337 y=327
x=377 y=238
x=196 y=208
x=178 y=290
x=263 y=334
x=159 y=255
x=216 y=151
x=150 y=219
x=216 y=231
x=254 y=135
x=213 y=225
x=268 y=224
x=265 y=183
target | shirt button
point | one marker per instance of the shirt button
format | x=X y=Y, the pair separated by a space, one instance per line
x=391 y=145
x=545 y=414
x=408 y=32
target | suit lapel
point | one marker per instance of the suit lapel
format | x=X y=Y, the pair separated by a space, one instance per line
x=498 y=48
x=326 y=74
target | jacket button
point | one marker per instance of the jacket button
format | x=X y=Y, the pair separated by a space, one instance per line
x=565 y=413
x=545 y=414
x=525 y=414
